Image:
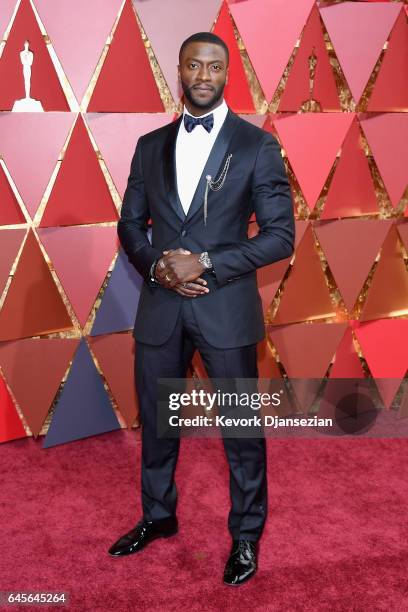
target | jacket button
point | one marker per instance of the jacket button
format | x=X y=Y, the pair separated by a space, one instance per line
x=183 y=232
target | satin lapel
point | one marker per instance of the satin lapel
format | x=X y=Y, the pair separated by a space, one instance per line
x=170 y=176
x=215 y=159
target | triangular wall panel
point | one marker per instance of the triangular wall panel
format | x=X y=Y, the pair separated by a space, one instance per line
x=116 y=354
x=359 y=30
x=388 y=133
x=80 y=193
x=83 y=408
x=311 y=142
x=237 y=93
x=350 y=247
x=74 y=20
x=10 y=242
x=45 y=85
x=297 y=87
x=390 y=93
x=33 y=305
x=351 y=192
x=29 y=136
x=306 y=280
x=271 y=38
x=34 y=370
x=116 y=135
x=81 y=257
x=11 y=427
x=126 y=82
x=10 y=211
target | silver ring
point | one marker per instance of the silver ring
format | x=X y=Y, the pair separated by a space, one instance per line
x=185 y=285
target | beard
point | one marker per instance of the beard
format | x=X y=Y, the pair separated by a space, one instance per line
x=189 y=95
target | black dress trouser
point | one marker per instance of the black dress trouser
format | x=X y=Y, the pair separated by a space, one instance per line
x=246 y=456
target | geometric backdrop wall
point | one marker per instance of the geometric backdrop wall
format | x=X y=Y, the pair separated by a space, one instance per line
x=328 y=79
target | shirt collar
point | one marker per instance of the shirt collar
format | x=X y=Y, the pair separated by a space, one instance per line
x=219 y=113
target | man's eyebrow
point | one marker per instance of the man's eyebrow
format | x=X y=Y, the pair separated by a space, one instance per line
x=194 y=59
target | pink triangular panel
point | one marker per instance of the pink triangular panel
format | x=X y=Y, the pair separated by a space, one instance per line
x=351 y=192
x=167 y=24
x=10 y=242
x=297 y=88
x=270 y=31
x=11 y=426
x=387 y=135
x=115 y=355
x=116 y=135
x=33 y=370
x=257 y=120
x=74 y=20
x=33 y=136
x=351 y=246
x=306 y=350
x=346 y=361
x=81 y=258
x=6 y=11
x=311 y=141
x=391 y=93
x=358 y=32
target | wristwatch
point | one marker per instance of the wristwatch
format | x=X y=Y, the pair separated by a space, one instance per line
x=205 y=260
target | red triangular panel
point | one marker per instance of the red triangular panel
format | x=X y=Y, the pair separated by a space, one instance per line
x=385 y=347
x=10 y=211
x=237 y=93
x=346 y=361
x=80 y=193
x=350 y=247
x=33 y=304
x=305 y=294
x=115 y=355
x=305 y=349
x=270 y=277
x=34 y=369
x=297 y=88
x=81 y=257
x=267 y=366
x=388 y=292
x=351 y=192
x=10 y=242
x=403 y=232
x=311 y=141
x=11 y=426
x=126 y=82
x=45 y=85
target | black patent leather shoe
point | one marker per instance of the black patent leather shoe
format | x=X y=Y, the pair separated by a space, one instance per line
x=143 y=533
x=242 y=563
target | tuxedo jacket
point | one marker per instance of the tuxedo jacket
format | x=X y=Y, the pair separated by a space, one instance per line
x=230 y=315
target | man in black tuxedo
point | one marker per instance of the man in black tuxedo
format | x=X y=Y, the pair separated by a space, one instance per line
x=199 y=179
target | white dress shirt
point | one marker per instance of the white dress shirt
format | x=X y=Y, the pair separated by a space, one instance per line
x=192 y=151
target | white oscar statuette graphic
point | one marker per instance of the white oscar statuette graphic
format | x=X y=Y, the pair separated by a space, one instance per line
x=27 y=104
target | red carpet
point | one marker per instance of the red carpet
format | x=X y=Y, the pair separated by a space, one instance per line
x=336 y=537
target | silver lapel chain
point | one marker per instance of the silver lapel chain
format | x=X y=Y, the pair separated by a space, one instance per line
x=215 y=185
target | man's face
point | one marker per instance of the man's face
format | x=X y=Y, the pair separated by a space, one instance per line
x=203 y=73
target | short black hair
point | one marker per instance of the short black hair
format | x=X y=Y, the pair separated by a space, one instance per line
x=207 y=37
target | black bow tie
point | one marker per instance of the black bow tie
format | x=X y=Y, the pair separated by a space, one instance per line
x=190 y=122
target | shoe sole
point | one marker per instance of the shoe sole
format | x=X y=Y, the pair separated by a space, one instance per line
x=167 y=535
